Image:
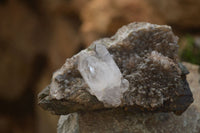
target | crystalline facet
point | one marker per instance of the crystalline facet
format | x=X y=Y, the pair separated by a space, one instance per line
x=102 y=76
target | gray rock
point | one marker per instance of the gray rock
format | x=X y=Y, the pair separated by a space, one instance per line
x=68 y=123
x=146 y=55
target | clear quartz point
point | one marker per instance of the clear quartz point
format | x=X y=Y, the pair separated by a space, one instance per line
x=103 y=76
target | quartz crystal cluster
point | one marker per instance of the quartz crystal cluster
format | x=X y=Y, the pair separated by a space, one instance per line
x=137 y=68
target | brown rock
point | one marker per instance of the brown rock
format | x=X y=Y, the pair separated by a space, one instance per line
x=103 y=18
x=184 y=13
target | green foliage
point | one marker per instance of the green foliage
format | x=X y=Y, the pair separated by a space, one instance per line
x=190 y=53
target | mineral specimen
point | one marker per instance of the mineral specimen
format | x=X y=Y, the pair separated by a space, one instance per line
x=137 y=68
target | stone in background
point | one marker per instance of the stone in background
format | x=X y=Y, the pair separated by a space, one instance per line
x=180 y=13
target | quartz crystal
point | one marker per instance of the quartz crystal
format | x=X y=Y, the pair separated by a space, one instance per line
x=102 y=75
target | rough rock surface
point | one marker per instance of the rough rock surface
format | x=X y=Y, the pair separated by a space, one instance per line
x=117 y=121
x=68 y=124
x=146 y=55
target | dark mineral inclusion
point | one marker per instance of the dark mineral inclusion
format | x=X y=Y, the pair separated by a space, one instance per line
x=146 y=55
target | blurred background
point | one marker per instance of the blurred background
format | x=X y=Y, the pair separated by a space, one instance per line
x=36 y=36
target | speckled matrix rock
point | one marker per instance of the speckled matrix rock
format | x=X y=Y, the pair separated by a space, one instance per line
x=146 y=55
